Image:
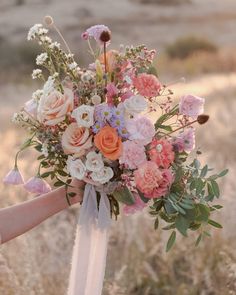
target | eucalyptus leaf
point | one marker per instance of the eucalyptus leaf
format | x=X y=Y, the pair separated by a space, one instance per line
x=171 y=241
x=214 y=223
x=223 y=173
x=124 y=195
x=215 y=188
x=182 y=224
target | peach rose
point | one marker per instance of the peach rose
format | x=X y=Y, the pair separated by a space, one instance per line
x=109 y=143
x=75 y=140
x=53 y=108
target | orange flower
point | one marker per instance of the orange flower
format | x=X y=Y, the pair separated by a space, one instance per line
x=109 y=143
x=111 y=57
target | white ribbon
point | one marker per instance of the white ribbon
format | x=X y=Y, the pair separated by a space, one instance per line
x=90 y=249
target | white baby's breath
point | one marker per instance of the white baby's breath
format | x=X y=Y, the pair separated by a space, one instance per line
x=41 y=58
x=72 y=66
x=44 y=149
x=55 y=45
x=15 y=118
x=37 y=94
x=33 y=31
x=36 y=73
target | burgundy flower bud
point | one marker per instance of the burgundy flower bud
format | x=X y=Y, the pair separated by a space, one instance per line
x=202 y=119
x=105 y=36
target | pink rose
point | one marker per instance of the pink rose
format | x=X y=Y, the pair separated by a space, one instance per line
x=147 y=84
x=133 y=154
x=139 y=205
x=141 y=129
x=161 y=152
x=191 y=106
x=185 y=141
x=53 y=108
x=152 y=181
x=75 y=140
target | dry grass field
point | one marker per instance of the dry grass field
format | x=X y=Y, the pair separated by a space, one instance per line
x=38 y=262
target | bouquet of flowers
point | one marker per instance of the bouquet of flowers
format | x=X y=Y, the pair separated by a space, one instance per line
x=93 y=124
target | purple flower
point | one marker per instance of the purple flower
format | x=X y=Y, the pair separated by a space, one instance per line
x=97 y=126
x=118 y=112
x=37 y=185
x=95 y=32
x=123 y=132
x=185 y=141
x=14 y=177
x=102 y=112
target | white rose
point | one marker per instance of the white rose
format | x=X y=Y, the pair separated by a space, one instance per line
x=135 y=104
x=31 y=107
x=84 y=115
x=53 y=108
x=103 y=175
x=94 y=161
x=76 y=168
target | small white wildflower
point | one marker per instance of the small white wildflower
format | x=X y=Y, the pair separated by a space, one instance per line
x=42 y=31
x=41 y=58
x=55 y=75
x=15 y=118
x=45 y=39
x=55 y=45
x=73 y=66
x=70 y=55
x=48 y=86
x=36 y=73
x=44 y=149
x=33 y=31
x=37 y=94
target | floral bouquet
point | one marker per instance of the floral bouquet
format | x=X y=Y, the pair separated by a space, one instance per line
x=94 y=124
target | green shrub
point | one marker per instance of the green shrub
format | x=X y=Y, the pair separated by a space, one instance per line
x=187 y=46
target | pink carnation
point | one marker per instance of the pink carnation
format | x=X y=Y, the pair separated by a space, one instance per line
x=141 y=129
x=133 y=154
x=139 y=205
x=37 y=185
x=161 y=152
x=14 y=177
x=147 y=85
x=185 y=141
x=191 y=106
x=152 y=181
x=112 y=91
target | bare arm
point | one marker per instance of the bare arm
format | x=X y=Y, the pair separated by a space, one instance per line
x=18 y=219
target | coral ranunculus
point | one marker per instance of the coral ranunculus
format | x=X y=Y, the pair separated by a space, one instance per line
x=108 y=142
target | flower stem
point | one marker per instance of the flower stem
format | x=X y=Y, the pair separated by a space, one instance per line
x=181 y=127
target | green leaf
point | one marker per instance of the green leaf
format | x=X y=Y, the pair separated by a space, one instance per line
x=171 y=241
x=215 y=188
x=62 y=173
x=168 y=227
x=58 y=183
x=153 y=71
x=203 y=212
x=204 y=171
x=142 y=197
x=45 y=174
x=223 y=173
x=169 y=208
x=199 y=186
x=198 y=240
x=124 y=195
x=157 y=205
x=217 y=206
x=71 y=194
x=182 y=224
x=156 y=223
x=214 y=223
x=165 y=127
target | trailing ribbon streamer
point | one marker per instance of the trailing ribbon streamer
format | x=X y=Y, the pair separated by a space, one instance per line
x=90 y=249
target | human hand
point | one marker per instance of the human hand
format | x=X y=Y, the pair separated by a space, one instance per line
x=76 y=186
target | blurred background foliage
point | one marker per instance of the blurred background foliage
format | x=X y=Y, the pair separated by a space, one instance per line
x=194 y=39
